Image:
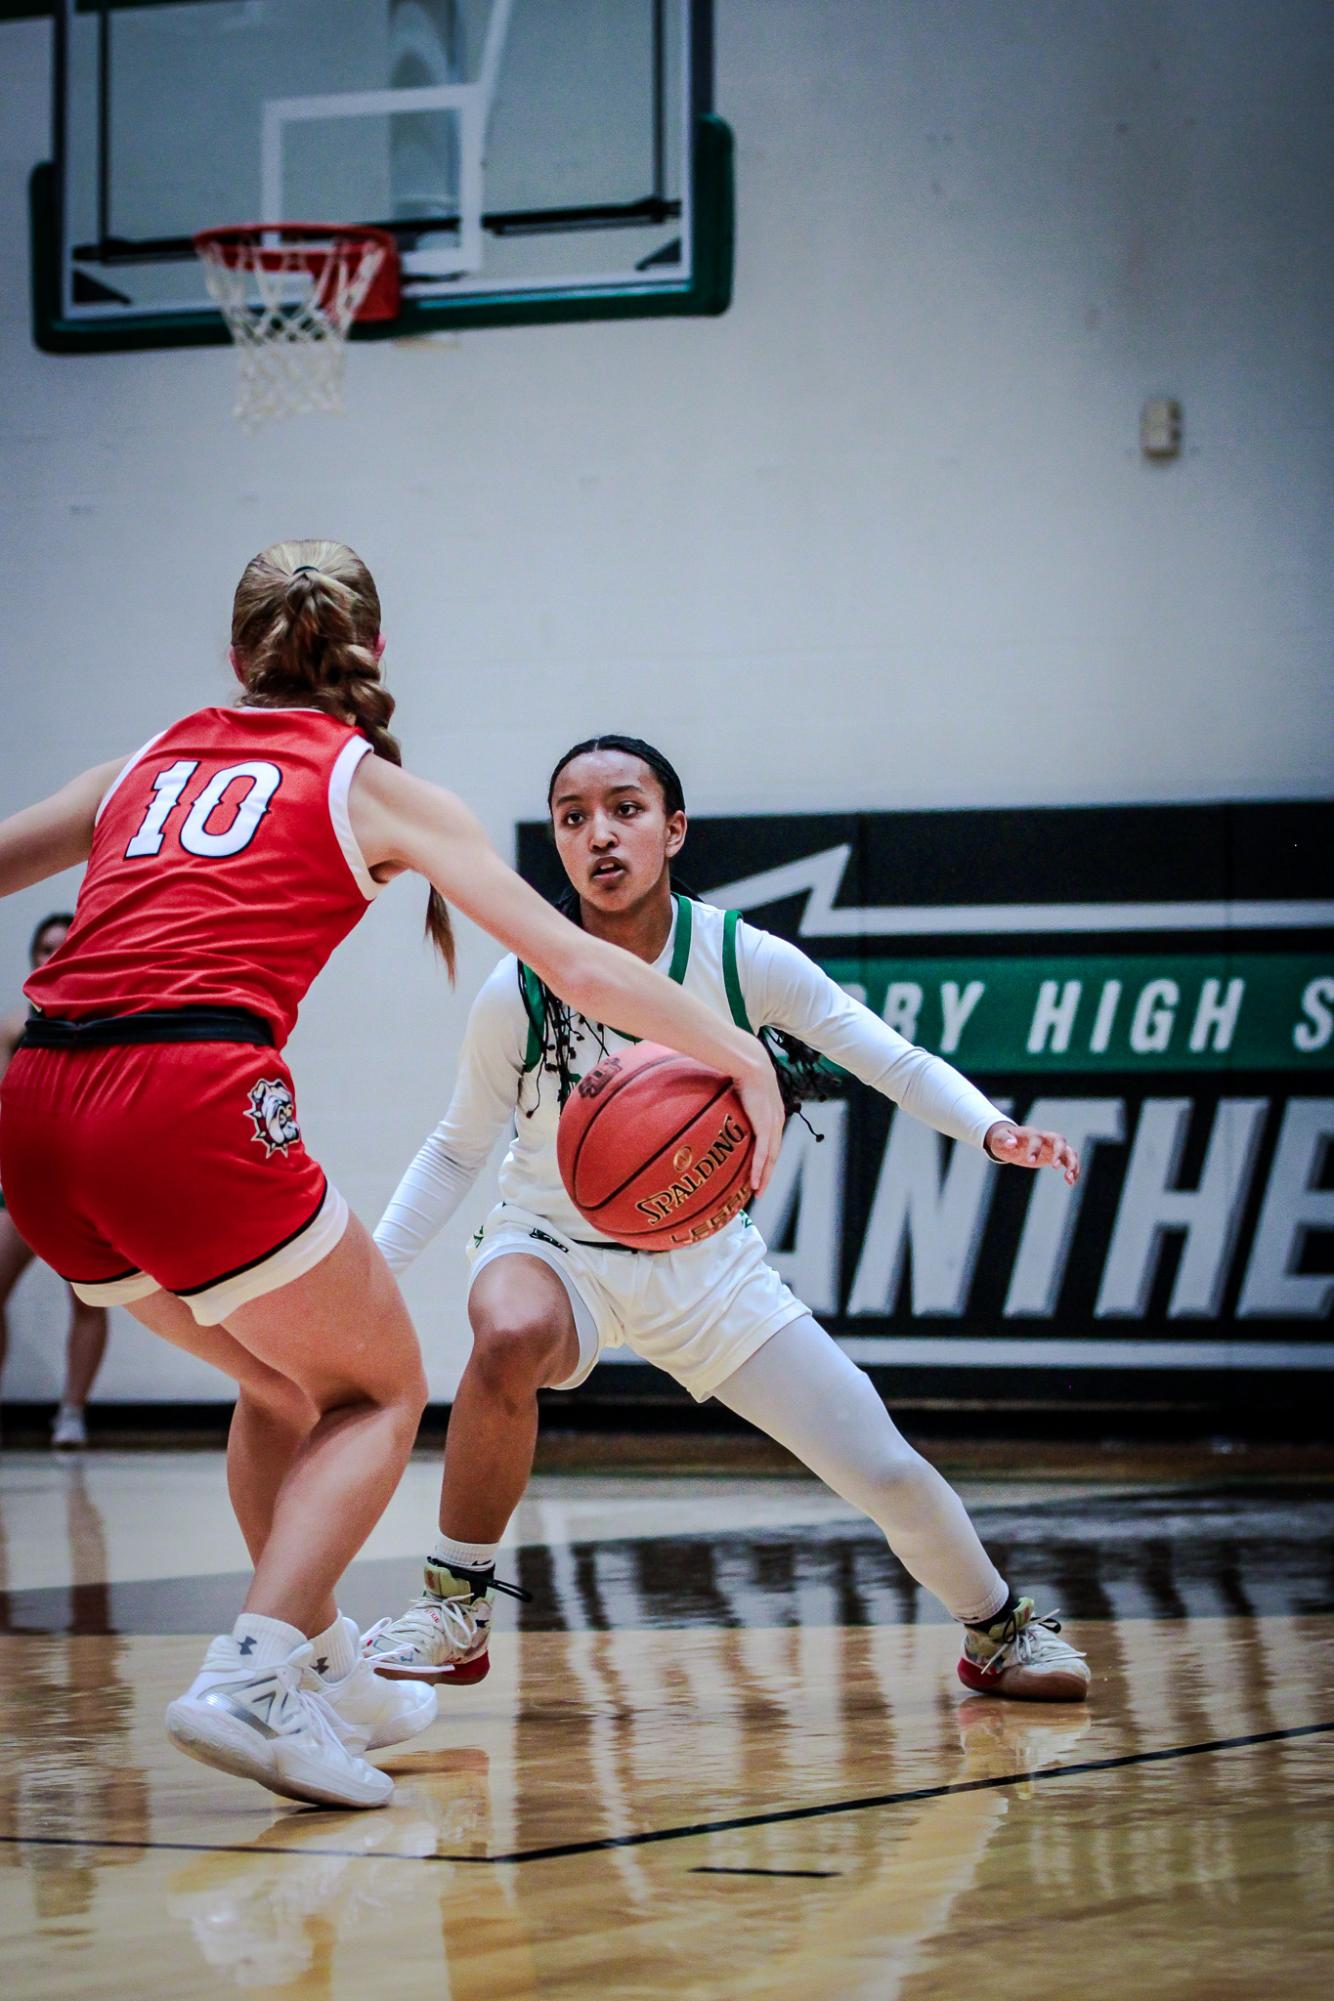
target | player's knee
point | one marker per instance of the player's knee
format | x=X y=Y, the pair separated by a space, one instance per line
x=877 y=1470
x=896 y=1476
x=397 y=1401
x=515 y=1354
x=405 y=1393
x=280 y=1401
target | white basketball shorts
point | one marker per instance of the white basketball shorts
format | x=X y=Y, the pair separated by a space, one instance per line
x=698 y=1313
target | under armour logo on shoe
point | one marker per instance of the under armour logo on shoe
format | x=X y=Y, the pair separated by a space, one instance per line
x=263 y=1700
x=246 y=1646
x=322 y=1664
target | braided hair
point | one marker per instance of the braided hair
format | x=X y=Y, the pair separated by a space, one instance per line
x=802 y=1073
x=305 y=622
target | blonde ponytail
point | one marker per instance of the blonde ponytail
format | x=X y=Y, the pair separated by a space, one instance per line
x=305 y=622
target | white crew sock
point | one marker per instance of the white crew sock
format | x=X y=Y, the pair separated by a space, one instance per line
x=263 y=1642
x=335 y=1649
x=451 y=1555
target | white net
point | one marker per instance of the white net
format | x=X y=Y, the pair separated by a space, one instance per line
x=288 y=305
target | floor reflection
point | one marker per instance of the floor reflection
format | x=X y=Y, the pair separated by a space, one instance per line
x=273 y=1917
x=66 y=1712
x=1247 y=1552
x=609 y=1738
x=732 y=1764
x=1242 y=1552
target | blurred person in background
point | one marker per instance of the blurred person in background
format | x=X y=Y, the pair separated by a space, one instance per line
x=87 y=1324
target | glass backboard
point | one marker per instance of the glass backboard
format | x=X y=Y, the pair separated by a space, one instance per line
x=534 y=159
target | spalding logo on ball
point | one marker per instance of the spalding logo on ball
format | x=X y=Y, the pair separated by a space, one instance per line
x=655 y=1149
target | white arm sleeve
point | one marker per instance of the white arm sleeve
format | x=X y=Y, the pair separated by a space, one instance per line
x=782 y=988
x=485 y=1093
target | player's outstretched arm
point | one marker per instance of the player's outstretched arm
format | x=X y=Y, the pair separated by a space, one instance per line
x=401 y=821
x=55 y=834
x=784 y=988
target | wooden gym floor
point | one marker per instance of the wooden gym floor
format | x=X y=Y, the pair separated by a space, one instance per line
x=722 y=1753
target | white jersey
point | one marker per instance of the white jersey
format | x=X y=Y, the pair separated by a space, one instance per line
x=745 y=974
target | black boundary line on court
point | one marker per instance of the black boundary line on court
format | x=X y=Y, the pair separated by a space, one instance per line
x=716 y=1869
x=902 y=1799
x=701 y=1827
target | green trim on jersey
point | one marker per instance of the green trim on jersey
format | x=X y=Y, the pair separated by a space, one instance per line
x=532 y=1007
x=685 y=924
x=731 y=977
x=532 y=986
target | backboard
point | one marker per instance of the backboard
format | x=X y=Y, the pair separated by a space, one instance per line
x=534 y=159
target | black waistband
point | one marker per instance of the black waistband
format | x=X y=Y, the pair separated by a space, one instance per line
x=163 y=1024
x=585 y=1243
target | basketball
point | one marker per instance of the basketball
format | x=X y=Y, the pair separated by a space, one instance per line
x=655 y=1149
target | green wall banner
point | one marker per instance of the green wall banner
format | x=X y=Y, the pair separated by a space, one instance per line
x=1177 y=1010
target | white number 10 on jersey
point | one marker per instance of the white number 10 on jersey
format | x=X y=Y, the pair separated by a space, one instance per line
x=195 y=837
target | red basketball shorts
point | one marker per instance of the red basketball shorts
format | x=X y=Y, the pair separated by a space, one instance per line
x=172 y=1165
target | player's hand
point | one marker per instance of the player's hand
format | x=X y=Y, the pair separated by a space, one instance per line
x=757 y=1087
x=1026 y=1146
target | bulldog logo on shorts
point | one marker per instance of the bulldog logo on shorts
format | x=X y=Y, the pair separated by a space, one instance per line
x=273 y=1113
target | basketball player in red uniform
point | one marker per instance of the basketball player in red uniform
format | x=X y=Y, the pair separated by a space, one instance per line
x=150 y=1148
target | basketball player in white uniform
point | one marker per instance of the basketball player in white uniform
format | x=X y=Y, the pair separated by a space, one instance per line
x=548 y=1294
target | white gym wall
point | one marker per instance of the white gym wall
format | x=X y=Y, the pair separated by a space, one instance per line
x=881 y=536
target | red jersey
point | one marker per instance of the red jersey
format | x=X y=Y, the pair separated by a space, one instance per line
x=223 y=870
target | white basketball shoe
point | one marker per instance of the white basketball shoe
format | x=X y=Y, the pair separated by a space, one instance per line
x=1020 y=1656
x=372 y=1712
x=267 y=1724
x=443 y=1635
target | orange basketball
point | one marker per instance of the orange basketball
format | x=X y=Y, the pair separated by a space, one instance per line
x=655 y=1149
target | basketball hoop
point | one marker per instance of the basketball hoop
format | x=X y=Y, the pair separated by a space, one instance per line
x=290 y=292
